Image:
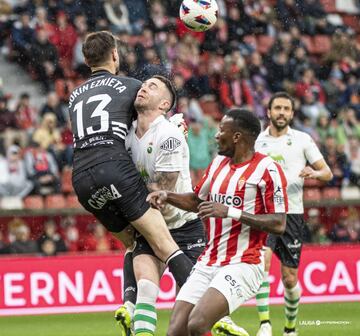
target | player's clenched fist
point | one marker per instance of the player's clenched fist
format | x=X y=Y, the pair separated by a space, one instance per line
x=157 y=199
x=212 y=209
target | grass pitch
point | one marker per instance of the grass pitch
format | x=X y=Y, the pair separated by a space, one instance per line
x=333 y=319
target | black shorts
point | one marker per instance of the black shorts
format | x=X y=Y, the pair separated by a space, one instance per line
x=288 y=246
x=113 y=192
x=190 y=238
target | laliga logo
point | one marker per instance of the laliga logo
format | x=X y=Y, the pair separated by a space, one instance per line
x=230 y=200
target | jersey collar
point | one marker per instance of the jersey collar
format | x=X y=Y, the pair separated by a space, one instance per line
x=288 y=133
x=100 y=73
x=158 y=120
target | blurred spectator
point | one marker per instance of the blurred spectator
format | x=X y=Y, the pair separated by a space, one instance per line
x=47 y=248
x=3 y=244
x=53 y=105
x=353 y=155
x=14 y=181
x=117 y=14
x=26 y=114
x=50 y=234
x=317 y=230
x=159 y=22
x=349 y=126
x=299 y=61
x=234 y=90
x=336 y=158
x=8 y=124
x=78 y=62
x=313 y=109
x=340 y=232
x=261 y=96
x=138 y=14
x=42 y=169
x=23 y=244
x=64 y=38
x=289 y=14
x=314 y=17
x=336 y=90
x=354 y=225
x=307 y=85
x=279 y=71
x=22 y=38
x=326 y=128
x=238 y=24
x=49 y=138
x=45 y=60
x=342 y=46
x=198 y=137
x=256 y=66
x=67 y=141
x=259 y=14
x=40 y=21
x=71 y=237
x=130 y=65
x=98 y=240
x=199 y=84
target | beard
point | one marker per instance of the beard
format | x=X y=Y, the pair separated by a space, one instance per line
x=280 y=123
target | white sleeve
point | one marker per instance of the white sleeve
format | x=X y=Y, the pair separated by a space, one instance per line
x=170 y=151
x=311 y=150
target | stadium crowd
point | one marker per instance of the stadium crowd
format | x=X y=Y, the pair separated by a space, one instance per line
x=305 y=47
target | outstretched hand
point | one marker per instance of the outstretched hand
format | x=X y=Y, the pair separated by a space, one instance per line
x=157 y=199
x=212 y=209
x=308 y=172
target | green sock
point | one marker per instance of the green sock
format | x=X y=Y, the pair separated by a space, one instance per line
x=292 y=298
x=145 y=316
x=262 y=300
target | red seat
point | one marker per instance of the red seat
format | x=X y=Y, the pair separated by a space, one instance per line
x=352 y=21
x=322 y=44
x=329 y=6
x=312 y=183
x=72 y=202
x=264 y=43
x=34 y=202
x=331 y=193
x=309 y=45
x=312 y=194
x=66 y=181
x=55 y=202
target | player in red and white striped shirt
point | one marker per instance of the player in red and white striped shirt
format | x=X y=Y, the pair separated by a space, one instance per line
x=241 y=197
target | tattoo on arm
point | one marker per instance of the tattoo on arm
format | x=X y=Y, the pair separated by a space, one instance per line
x=164 y=181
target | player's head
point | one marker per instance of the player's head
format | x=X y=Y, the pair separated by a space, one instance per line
x=239 y=127
x=156 y=94
x=100 y=49
x=280 y=110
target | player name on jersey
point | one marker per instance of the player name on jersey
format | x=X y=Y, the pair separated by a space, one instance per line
x=108 y=81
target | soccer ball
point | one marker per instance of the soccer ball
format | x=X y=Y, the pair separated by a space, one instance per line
x=199 y=15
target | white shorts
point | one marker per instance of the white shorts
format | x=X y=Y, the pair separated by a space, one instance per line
x=238 y=283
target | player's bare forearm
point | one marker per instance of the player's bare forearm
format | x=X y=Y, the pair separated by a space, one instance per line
x=272 y=223
x=186 y=201
x=319 y=170
x=164 y=181
x=325 y=174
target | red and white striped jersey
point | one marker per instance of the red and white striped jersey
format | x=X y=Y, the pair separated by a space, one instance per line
x=257 y=186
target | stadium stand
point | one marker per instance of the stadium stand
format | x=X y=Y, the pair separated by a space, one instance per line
x=309 y=48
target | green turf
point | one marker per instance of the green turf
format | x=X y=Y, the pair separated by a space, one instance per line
x=102 y=324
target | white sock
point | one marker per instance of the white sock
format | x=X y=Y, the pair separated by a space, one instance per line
x=145 y=316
